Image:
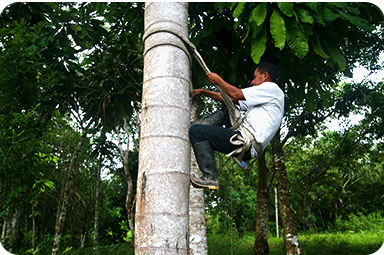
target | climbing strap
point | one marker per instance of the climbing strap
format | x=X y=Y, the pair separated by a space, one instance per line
x=246 y=139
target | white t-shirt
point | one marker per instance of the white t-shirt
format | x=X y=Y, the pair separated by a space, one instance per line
x=264 y=106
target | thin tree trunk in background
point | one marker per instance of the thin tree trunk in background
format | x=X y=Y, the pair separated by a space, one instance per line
x=97 y=197
x=33 y=228
x=97 y=211
x=276 y=213
x=161 y=221
x=83 y=235
x=61 y=219
x=12 y=229
x=261 y=236
x=4 y=230
x=291 y=239
x=60 y=203
x=64 y=203
x=42 y=221
x=129 y=203
x=197 y=223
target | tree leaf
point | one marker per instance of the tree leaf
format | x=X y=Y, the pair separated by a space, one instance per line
x=357 y=21
x=76 y=27
x=304 y=15
x=230 y=5
x=310 y=103
x=330 y=15
x=338 y=57
x=246 y=35
x=219 y=6
x=317 y=47
x=278 y=29
x=297 y=41
x=259 y=13
x=258 y=46
x=238 y=10
x=316 y=13
x=256 y=30
x=286 y=8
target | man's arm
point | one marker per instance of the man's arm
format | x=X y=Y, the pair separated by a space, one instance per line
x=229 y=89
x=212 y=94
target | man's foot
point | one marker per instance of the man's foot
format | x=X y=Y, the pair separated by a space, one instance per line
x=205 y=182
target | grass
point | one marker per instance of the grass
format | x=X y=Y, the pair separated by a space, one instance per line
x=363 y=243
x=118 y=249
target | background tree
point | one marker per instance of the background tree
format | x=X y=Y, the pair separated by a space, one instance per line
x=48 y=56
x=197 y=220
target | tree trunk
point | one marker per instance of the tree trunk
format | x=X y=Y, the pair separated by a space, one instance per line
x=161 y=221
x=42 y=221
x=197 y=224
x=84 y=233
x=61 y=218
x=33 y=228
x=276 y=213
x=97 y=202
x=97 y=213
x=11 y=230
x=291 y=239
x=4 y=230
x=261 y=236
x=97 y=195
x=63 y=205
x=129 y=203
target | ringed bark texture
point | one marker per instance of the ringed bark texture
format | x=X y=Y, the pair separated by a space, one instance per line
x=261 y=235
x=161 y=220
x=197 y=222
x=291 y=239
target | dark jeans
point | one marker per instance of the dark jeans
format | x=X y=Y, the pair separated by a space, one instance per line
x=217 y=136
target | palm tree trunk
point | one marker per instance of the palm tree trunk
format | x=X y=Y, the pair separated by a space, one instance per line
x=197 y=224
x=161 y=221
x=261 y=236
x=291 y=239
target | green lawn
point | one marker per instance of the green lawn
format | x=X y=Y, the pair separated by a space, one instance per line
x=312 y=244
x=363 y=243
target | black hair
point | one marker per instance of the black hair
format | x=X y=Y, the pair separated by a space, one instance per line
x=268 y=67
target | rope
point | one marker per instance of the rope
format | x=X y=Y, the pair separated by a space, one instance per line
x=234 y=113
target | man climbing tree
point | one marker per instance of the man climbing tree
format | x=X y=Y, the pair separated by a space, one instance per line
x=264 y=106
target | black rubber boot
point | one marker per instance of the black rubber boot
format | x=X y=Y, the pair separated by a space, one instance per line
x=206 y=160
x=214 y=119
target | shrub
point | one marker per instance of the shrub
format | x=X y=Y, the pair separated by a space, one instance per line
x=356 y=223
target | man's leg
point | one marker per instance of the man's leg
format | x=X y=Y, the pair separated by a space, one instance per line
x=218 y=118
x=207 y=164
x=205 y=139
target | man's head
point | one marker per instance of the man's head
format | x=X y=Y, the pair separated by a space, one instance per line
x=264 y=72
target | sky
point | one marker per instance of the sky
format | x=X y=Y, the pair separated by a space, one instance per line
x=359 y=74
